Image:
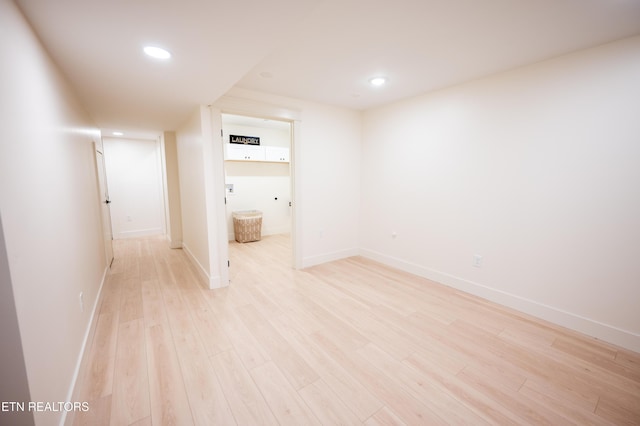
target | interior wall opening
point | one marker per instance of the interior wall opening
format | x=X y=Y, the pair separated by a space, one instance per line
x=134 y=175
x=258 y=184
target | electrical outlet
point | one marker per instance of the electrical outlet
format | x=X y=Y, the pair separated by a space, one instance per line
x=81 y=300
x=477 y=261
x=321 y=233
x=394 y=234
x=128 y=218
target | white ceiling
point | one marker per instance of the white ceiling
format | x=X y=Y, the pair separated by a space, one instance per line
x=320 y=50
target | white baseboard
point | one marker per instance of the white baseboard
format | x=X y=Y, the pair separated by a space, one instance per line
x=328 y=257
x=605 y=332
x=278 y=230
x=210 y=282
x=138 y=233
x=215 y=282
x=88 y=337
x=266 y=232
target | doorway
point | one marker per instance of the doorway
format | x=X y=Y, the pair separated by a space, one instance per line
x=135 y=180
x=257 y=171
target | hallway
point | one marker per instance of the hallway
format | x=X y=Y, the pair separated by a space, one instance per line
x=348 y=342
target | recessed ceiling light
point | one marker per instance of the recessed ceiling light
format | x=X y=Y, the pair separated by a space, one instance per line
x=117 y=134
x=378 y=81
x=157 y=52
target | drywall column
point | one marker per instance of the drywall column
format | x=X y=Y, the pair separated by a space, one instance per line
x=215 y=194
x=192 y=194
x=201 y=194
x=174 y=211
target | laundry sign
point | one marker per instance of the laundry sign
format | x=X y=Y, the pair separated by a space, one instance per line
x=244 y=140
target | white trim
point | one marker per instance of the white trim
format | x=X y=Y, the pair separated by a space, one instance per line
x=216 y=282
x=590 y=327
x=165 y=187
x=242 y=106
x=328 y=257
x=277 y=230
x=266 y=232
x=88 y=336
x=296 y=194
x=202 y=272
x=216 y=206
x=174 y=244
x=211 y=282
x=163 y=181
x=138 y=233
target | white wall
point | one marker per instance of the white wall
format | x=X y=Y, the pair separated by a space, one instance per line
x=328 y=177
x=537 y=170
x=135 y=182
x=192 y=191
x=331 y=150
x=49 y=204
x=260 y=186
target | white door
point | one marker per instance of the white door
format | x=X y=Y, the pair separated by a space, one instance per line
x=104 y=207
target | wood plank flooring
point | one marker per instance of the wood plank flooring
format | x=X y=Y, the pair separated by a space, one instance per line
x=344 y=343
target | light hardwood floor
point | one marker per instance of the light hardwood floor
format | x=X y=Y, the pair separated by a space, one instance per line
x=348 y=342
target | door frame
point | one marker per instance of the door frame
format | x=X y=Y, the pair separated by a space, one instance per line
x=251 y=108
x=160 y=181
x=105 y=208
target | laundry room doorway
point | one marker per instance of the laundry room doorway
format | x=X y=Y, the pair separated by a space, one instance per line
x=258 y=191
